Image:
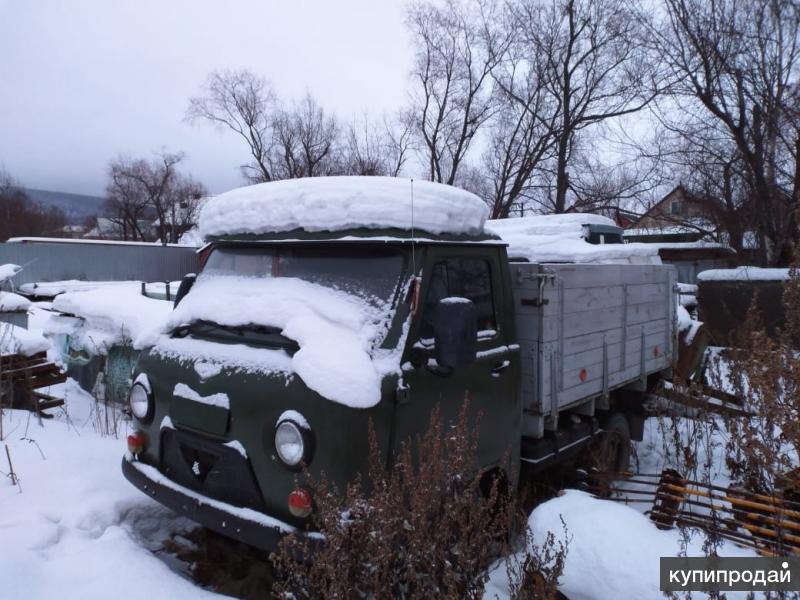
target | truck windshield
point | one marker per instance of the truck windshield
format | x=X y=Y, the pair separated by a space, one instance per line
x=369 y=272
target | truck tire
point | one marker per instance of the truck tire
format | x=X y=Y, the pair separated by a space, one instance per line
x=612 y=449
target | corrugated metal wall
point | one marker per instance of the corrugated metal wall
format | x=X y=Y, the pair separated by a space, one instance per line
x=57 y=261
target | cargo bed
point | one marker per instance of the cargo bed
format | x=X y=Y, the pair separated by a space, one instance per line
x=586 y=330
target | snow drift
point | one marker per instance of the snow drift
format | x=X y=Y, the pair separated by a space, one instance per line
x=613 y=551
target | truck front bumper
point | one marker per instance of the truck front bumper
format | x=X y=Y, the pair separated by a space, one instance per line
x=243 y=524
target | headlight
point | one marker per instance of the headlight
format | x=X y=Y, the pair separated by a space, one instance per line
x=293 y=441
x=141 y=399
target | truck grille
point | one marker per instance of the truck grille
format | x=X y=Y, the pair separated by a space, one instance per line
x=209 y=468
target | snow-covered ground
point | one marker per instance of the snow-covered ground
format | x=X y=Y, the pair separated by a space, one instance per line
x=73 y=527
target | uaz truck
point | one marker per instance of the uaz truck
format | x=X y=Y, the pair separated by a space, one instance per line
x=326 y=304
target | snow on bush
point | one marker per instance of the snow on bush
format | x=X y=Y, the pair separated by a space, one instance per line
x=560 y=238
x=339 y=203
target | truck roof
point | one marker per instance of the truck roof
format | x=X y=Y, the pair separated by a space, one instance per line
x=392 y=205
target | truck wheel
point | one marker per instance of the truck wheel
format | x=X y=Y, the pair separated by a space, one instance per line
x=611 y=451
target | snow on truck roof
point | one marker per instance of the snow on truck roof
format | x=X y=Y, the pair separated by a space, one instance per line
x=562 y=239
x=342 y=203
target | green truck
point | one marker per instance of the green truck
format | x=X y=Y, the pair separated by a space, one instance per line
x=329 y=303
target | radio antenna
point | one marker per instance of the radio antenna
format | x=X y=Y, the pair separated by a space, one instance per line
x=413 y=239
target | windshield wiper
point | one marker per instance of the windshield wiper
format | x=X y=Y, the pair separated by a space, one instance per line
x=271 y=335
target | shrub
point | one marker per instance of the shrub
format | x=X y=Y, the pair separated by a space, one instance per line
x=428 y=526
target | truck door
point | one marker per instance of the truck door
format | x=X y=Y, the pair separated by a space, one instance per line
x=490 y=383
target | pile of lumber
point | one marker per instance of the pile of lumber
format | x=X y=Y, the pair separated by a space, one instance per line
x=23 y=377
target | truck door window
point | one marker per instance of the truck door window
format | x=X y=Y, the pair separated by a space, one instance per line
x=465 y=278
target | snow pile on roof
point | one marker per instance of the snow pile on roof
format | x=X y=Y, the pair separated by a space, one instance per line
x=49 y=289
x=11 y=302
x=111 y=315
x=18 y=340
x=7 y=271
x=613 y=551
x=744 y=274
x=561 y=239
x=340 y=203
x=336 y=331
x=191 y=238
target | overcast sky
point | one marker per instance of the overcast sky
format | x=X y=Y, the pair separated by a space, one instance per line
x=86 y=80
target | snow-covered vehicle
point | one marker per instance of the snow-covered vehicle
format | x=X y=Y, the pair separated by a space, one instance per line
x=328 y=303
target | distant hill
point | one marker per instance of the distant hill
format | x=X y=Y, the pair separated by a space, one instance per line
x=77 y=207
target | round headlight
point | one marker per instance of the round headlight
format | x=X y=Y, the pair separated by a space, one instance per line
x=140 y=401
x=289 y=443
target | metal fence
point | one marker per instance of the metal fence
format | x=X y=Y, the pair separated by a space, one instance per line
x=53 y=260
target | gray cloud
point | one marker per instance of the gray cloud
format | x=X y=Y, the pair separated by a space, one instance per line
x=84 y=81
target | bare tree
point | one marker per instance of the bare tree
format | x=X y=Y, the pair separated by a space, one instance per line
x=708 y=165
x=246 y=104
x=400 y=140
x=595 y=67
x=306 y=141
x=452 y=98
x=377 y=147
x=139 y=187
x=126 y=203
x=522 y=130
x=735 y=66
x=625 y=176
x=19 y=216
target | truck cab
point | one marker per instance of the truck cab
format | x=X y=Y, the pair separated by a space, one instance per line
x=288 y=345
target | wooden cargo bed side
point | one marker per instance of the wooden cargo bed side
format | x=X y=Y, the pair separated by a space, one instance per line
x=586 y=330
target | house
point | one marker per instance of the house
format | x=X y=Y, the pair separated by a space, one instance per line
x=678 y=217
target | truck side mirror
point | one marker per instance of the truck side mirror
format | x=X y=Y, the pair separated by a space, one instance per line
x=455 y=332
x=186 y=284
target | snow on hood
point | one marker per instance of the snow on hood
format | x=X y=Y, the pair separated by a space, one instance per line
x=113 y=314
x=560 y=239
x=340 y=203
x=335 y=331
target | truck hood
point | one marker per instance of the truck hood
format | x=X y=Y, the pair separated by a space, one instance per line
x=337 y=333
